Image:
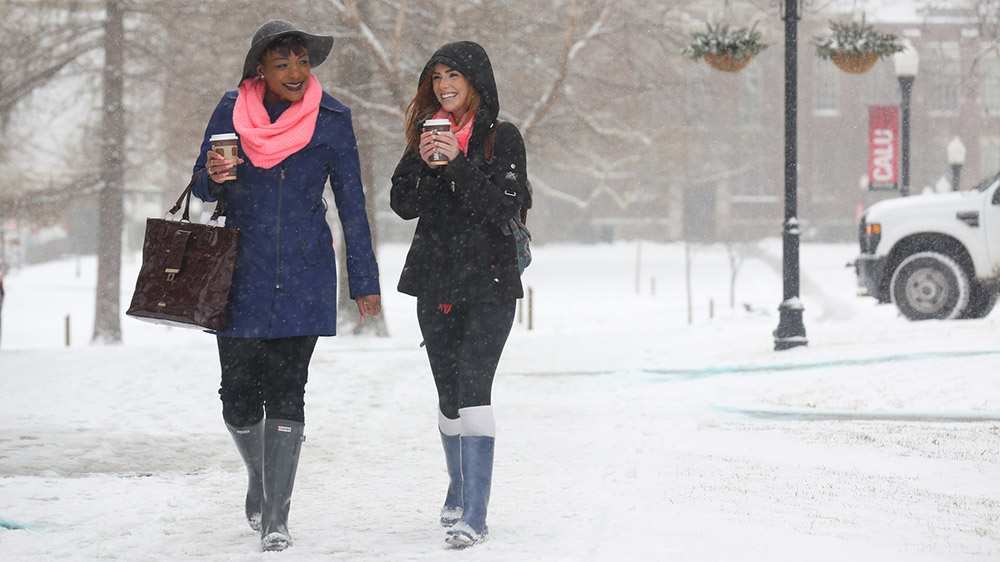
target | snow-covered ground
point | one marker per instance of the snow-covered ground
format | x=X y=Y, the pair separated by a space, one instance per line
x=624 y=432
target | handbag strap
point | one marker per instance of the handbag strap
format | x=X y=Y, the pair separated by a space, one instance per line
x=185 y=199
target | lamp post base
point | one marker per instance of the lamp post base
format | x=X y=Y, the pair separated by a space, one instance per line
x=791 y=332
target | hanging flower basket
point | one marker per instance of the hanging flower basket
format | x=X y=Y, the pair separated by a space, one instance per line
x=726 y=62
x=855 y=63
x=723 y=49
x=855 y=47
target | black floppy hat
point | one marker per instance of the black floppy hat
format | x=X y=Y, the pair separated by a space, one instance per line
x=318 y=45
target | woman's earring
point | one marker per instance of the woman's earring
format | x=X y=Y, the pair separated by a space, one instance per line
x=261 y=77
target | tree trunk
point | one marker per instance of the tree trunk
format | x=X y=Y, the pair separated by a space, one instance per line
x=107 y=320
x=353 y=71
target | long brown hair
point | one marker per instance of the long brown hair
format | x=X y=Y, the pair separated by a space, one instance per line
x=424 y=105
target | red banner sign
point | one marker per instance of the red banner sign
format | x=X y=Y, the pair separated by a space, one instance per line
x=883 y=147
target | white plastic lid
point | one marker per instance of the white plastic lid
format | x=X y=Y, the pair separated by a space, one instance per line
x=436 y=122
x=222 y=137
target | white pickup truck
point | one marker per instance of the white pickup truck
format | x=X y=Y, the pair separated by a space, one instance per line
x=934 y=256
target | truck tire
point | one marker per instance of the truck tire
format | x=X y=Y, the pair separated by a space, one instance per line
x=982 y=298
x=930 y=286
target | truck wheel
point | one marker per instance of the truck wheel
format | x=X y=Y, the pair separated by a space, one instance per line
x=982 y=298
x=929 y=285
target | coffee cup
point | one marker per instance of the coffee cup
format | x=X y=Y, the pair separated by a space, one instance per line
x=437 y=126
x=226 y=145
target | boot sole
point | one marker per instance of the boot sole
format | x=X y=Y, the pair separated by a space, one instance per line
x=275 y=542
x=462 y=538
x=450 y=516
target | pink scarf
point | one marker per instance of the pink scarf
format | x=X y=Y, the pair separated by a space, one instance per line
x=266 y=143
x=463 y=134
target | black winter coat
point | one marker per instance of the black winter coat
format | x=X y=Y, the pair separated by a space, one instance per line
x=459 y=253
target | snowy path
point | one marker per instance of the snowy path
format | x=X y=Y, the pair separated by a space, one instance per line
x=624 y=433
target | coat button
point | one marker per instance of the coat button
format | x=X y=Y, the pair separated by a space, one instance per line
x=303 y=242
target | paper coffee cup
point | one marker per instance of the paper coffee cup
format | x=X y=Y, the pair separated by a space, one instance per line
x=226 y=145
x=439 y=126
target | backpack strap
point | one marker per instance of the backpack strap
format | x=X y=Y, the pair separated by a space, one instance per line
x=531 y=195
x=489 y=146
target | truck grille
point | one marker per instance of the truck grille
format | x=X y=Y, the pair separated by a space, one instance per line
x=863 y=235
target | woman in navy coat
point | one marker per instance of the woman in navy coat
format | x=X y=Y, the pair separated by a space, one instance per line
x=293 y=138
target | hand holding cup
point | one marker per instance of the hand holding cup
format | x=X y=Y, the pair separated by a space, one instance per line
x=223 y=157
x=438 y=144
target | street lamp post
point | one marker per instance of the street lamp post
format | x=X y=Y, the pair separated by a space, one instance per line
x=907 y=63
x=956 y=157
x=790 y=332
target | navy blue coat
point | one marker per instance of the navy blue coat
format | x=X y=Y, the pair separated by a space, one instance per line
x=285 y=283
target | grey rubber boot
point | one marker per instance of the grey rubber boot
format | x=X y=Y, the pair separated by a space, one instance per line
x=452 y=510
x=282 y=443
x=250 y=443
x=477 y=479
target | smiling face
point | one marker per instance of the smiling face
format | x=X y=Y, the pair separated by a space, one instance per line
x=286 y=73
x=452 y=90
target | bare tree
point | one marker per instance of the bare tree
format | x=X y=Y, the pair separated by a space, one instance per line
x=737 y=252
x=42 y=42
x=988 y=14
x=39 y=40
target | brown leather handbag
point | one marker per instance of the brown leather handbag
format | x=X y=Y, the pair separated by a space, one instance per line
x=187 y=270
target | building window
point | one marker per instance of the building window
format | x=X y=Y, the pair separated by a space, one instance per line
x=751 y=110
x=990 y=94
x=881 y=86
x=989 y=156
x=751 y=183
x=941 y=78
x=696 y=103
x=825 y=84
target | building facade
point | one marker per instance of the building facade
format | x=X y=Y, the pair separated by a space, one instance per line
x=956 y=93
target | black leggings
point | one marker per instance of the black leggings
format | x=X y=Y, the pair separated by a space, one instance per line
x=264 y=374
x=464 y=346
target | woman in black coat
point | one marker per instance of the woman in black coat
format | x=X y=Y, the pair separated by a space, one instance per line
x=461 y=266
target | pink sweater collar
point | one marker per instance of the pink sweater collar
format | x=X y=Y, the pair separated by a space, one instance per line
x=461 y=135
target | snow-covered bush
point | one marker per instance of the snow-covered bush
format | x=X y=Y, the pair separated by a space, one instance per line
x=853 y=38
x=742 y=43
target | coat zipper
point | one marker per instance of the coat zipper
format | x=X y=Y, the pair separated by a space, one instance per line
x=277 y=237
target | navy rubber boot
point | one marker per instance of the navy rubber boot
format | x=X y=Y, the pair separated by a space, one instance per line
x=477 y=479
x=282 y=443
x=452 y=510
x=250 y=443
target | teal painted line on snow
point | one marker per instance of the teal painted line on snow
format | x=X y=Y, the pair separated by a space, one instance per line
x=796 y=414
x=774 y=367
x=727 y=369
x=11 y=525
